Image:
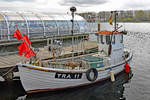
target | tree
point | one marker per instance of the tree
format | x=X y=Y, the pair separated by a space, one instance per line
x=140 y=15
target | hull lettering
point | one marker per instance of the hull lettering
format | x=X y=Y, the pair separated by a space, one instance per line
x=68 y=75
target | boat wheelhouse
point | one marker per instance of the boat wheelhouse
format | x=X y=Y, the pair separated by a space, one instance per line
x=111 y=44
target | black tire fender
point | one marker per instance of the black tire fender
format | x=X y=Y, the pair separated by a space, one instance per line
x=94 y=71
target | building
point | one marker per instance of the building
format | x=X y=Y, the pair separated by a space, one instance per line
x=39 y=24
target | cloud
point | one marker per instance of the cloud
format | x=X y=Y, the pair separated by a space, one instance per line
x=136 y=4
x=83 y=3
x=17 y=0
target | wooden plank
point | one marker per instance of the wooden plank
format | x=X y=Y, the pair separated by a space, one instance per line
x=3 y=60
x=4 y=65
x=7 y=60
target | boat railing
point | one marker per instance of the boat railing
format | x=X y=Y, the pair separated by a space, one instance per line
x=78 y=61
x=75 y=57
x=80 y=64
x=95 y=62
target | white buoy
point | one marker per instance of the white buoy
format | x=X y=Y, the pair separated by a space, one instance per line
x=112 y=76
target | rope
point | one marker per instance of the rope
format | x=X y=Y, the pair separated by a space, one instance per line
x=11 y=69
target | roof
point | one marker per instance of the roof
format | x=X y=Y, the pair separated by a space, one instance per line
x=108 y=32
x=13 y=16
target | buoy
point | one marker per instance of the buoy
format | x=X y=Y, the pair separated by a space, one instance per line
x=127 y=69
x=112 y=76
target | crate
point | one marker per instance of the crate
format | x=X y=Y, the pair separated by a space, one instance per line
x=95 y=62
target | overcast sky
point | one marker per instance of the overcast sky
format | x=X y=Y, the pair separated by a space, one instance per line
x=82 y=5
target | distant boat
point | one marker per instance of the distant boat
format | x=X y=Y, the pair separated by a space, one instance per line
x=78 y=70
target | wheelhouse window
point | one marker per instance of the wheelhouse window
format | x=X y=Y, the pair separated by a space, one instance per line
x=121 y=40
x=107 y=39
x=102 y=41
x=97 y=38
x=113 y=39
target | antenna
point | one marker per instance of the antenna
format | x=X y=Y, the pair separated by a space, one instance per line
x=115 y=22
x=73 y=10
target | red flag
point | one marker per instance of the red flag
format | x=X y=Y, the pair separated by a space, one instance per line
x=17 y=35
x=25 y=37
x=23 y=48
x=29 y=53
x=20 y=48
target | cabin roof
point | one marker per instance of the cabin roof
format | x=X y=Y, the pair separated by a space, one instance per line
x=108 y=32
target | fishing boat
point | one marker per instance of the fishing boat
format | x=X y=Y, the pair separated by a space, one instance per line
x=63 y=72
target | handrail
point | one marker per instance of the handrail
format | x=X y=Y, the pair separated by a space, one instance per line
x=76 y=57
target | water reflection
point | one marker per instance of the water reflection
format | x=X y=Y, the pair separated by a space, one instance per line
x=11 y=90
x=100 y=91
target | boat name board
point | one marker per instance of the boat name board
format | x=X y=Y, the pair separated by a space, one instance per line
x=68 y=75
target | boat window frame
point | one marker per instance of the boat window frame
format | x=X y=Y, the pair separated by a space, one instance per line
x=108 y=40
x=113 y=39
x=102 y=39
x=98 y=38
x=121 y=38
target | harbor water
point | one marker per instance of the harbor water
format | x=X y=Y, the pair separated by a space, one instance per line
x=135 y=86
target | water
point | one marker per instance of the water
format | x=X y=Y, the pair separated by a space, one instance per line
x=124 y=88
x=139 y=88
x=100 y=91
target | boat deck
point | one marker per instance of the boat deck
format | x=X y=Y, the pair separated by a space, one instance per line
x=12 y=60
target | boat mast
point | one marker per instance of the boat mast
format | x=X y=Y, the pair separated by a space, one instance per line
x=72 y=9
x=115 y=29
x=115 y=22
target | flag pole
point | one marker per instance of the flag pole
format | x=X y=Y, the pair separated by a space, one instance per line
x=115 y=29
x=115 y=22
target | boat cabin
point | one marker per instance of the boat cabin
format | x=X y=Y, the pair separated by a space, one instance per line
x=111 y=45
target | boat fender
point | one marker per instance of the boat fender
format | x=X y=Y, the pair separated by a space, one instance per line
x=112 y=76
x=127 y=68
x=92 y=74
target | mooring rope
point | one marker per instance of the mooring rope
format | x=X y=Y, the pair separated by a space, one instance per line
x=11 y=69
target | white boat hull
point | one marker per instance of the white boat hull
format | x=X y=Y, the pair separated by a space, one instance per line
x=34 y=80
